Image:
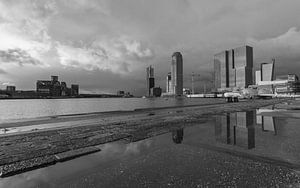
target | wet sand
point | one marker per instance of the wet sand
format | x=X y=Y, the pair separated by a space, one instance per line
x=26 y=149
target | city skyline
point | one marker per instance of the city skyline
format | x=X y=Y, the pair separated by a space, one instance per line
x=105 y=46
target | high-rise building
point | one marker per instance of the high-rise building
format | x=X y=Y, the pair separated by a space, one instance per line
x=243 y=64
x=233 y=68
x=221 y=70
x=267 y=71
x=168 y=85
x=150 y=79
x=177 y=74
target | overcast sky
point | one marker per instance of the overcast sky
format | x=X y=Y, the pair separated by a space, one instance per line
x=105 y=45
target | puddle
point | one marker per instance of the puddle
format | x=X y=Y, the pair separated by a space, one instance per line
x=249 y=133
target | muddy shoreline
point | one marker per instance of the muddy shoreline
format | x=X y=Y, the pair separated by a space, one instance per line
x=29 y=150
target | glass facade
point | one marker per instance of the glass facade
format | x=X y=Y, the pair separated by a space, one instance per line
x=221 y=60
x=177 y=74
x=217 y=74
x=231 y=69
x=243 y=62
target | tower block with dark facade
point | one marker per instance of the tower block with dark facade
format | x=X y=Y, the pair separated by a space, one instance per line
x=177 y=74
x=150 y=79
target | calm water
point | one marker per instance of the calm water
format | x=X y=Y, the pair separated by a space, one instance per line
x=175 y=157
x=32 y=108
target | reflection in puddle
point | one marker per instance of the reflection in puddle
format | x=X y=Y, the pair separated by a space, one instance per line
x=177 y=136
x=267 y=122
x=236 y=129
x=249 y=132
x=239 y=128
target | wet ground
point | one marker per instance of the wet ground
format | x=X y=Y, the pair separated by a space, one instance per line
x=259 y=148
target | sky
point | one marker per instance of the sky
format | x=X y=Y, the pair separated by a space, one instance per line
x=106 y=45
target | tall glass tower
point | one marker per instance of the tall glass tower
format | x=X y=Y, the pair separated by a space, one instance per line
x=177 y=74
x=150 y=79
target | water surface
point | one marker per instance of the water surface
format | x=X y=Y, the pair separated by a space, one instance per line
x=178 y=157
x=33 y=108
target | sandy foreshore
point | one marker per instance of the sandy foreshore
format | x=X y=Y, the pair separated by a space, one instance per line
x=42 y=142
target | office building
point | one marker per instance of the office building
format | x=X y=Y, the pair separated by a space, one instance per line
x=267 y=71
x=177 y=74
x=233 y=68
x=168 y=85
x=221 y=70
x=282 y=85
x=150 y=79
x=243 y=64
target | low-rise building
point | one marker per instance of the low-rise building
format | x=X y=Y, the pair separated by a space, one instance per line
x=53 y=88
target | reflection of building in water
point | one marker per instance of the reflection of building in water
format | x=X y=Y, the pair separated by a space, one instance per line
x=268 y=123
x=177 y=136
x=236 y=129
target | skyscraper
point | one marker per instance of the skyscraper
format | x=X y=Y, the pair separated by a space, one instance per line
x=267 y=71
x=221 y=69
x=233 y=68
x=177 y=74
x=243 y=64
x=150 y=79
x=168 y=85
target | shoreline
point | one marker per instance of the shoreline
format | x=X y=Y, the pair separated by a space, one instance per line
x=34 y=149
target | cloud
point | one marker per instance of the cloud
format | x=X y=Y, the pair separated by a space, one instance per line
x=121 y=55
x=7 y=84
x=2 y=71
x=24 y=27
x=284 y=48
x=18 y=56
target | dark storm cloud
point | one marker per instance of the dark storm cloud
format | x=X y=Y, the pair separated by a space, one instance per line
x=18 y=56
